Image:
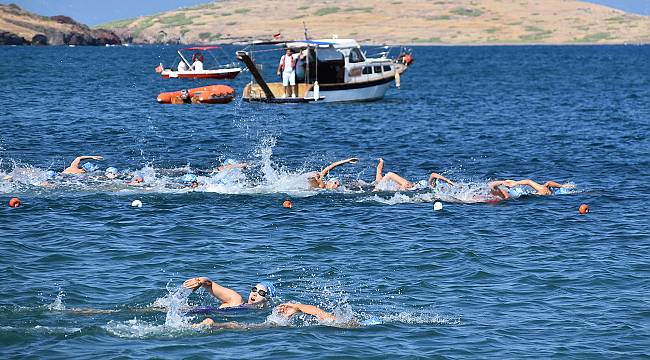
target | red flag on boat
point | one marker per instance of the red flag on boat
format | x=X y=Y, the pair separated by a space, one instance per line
x=276 y=36
x=159 y=68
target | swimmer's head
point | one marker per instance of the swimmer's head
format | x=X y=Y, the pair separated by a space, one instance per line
x=422 y=184
x=137 y=179
x=111 y=172
x=50 y=174
x=261 y=293
x=89 y=167
x=188 y=179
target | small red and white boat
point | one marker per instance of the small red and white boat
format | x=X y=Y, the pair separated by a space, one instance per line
x=214 y=94
x=188 y=71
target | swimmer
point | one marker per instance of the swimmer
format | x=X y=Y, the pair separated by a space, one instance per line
x=259 y=296
x=111 y=173
x=74 y=167
x=190 y=180
x=136 y=181
x=400 y=181
x=545 y=189
x=315 y=179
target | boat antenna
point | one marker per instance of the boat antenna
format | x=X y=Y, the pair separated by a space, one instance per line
x=305 y=27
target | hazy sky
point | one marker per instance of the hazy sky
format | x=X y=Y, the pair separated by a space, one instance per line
x=93 y=12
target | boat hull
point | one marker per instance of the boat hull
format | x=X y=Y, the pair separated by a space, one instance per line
x=370 y=91
x=206 y=74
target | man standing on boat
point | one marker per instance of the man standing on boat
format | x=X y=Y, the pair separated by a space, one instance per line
x=287 y=67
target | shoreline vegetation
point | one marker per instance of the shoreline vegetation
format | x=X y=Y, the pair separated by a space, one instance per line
x=412 y=23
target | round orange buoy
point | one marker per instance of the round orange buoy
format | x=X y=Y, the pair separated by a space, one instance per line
x=14 y=202
x=287 y=204
x=583 y=209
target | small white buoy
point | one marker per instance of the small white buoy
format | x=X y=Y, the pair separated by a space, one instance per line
x=437 y=206
x=136 y=203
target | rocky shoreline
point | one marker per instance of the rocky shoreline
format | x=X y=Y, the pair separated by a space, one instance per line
x=20 y=27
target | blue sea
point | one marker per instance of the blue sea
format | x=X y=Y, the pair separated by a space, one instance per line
x=86 y=275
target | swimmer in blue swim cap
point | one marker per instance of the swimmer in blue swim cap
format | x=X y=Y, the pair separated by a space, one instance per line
x=74 y=167
x=259 y=295
x=111 y=172
x=190 y=180
x=315 y=179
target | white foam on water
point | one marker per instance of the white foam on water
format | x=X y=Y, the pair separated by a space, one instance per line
x=406 y=317
x=57 y=304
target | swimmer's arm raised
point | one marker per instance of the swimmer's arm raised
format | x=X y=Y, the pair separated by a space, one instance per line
x=434 y=176
x=290 y=309
x=333 y=165
x=75 y=162
x=227 y=296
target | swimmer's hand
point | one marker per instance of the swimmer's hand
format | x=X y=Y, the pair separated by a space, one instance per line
x=353 y=160
x=97 y=158
x=569 y=186
x=205 y=323
x=195 y=283
x=288 y=309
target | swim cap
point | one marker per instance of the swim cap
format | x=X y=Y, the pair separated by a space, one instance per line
x=269 y=285
x=89 y=167
x=422 y=184
x=188 y=178
x=111 y=170
x=50 y=174
x=230 y=162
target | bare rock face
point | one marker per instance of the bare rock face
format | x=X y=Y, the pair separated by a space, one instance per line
x=53 y=30
x=9 y=38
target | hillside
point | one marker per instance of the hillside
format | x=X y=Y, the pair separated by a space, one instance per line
x=396 y=22
x=20 y=27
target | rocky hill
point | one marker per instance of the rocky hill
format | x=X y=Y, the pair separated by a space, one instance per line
x=395 y=22
x=20 y=27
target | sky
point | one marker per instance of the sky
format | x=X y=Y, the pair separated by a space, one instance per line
x=93 y=12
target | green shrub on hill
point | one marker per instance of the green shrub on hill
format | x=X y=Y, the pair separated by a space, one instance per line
x=470 y=12
x=326 y=11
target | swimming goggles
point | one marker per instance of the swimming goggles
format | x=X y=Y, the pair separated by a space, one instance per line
x=261 y=292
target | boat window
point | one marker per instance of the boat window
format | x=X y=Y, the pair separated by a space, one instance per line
x=377 y=69
x=386 y=67
x=355 y=56
x=367 y=70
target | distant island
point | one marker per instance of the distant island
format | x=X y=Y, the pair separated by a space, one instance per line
x=20 y=27
x=453 y=22
x=392 y=22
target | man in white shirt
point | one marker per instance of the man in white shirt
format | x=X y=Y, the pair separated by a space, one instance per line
x=197 y=65
x=182 y=66
x=288 y=68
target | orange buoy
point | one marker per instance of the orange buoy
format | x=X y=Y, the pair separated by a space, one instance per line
x=583 y=209
x=287 y=204
x=14 y=202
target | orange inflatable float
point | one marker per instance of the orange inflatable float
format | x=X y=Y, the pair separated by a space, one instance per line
x=214 y=94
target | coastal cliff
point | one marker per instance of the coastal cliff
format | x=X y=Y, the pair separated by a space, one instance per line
x=20 y=27
x=396 y=22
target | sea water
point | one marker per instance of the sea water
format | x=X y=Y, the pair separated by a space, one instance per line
x=85 y=275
